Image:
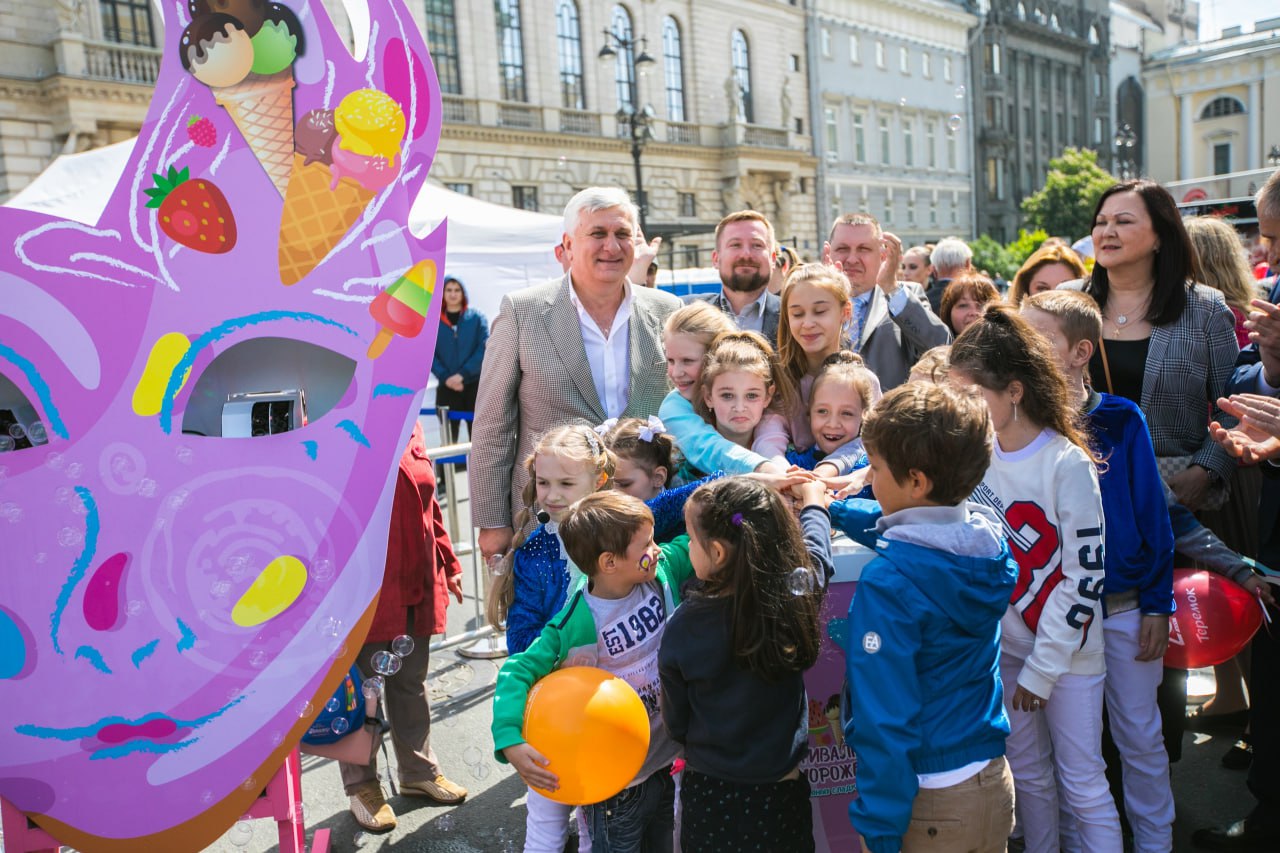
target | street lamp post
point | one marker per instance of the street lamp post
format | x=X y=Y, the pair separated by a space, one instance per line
x=1124 y=140
x=639 y=119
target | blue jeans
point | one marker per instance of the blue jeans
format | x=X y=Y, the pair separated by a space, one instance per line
x=640 y=819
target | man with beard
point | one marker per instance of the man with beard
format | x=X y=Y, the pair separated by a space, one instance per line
x=744 y=257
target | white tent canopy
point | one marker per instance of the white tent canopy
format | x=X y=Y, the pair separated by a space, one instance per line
x=492 y=249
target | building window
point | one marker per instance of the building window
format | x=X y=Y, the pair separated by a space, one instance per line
x=884 y=141
x=688 y=206
x=908 y=142
x=833 y=132
x=460 y=189
x=1022 y=11
x=859 y=138
x=931 y=142
x=673 y=62
x=1097 y=131
x=524 y=198
x=995 y=179
x=904 y=61
x=825 y=39
x=569 y=45
x=795 y=62
x=510 y=51
x=442 y=40
x=911 y=213
x=879 y=54
x=854 y=57
x=1222 y=158
x=1097 y=84
x=888 y=208
x=1222 y=106
x=741 y=55
x=953 y=150
x=926 y=65
x=1095 y=37
x=933 y=211
x=946 y=68
x=625 y=60
x=127 y=21
x=993 y=58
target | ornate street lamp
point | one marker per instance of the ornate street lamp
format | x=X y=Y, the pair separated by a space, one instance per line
x=639 y=120
x=1273 y=156
x=1124 y=141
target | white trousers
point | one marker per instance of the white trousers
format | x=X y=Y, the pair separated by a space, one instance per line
x=1062 y=741
x=1136 y=729
x=546 y=826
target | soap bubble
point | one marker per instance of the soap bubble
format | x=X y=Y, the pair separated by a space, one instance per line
x=17 y=431
x=207 y=798
x=250 y=784
x=954 y=122
x=300 y=813
x=37 y=433
x=497 y=564
x=79 y=508
x=241 y=834
x=472 y=755
x=177 y=499
x=134 y=607
x=6 y=444
x=11 y=511
x=960 y=90
x=277 y=738
x=238 y=566
x=219 y=588
x=41 y=558
x=306 y=710
x=360 y=839
x=330 y=627
x=69 y=537
x=480 y=771
x=385 y=663
x=372 y=687
x=561 y=160
x=902 y=102
x=339 y=725
x=332 y=705
x=62 y=494
x=322 y=570
x=55 y=460
x=444 y=823
x=402 y=645
x=800 y=581
x=146 y=487
x=74 y=470
x=183 y=454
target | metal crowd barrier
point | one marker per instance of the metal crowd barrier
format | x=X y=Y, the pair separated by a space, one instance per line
x=484 y=641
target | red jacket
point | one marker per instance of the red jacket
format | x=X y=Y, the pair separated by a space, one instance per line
x=419 y=554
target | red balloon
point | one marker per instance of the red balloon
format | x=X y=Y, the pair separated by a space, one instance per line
x=1214 y=620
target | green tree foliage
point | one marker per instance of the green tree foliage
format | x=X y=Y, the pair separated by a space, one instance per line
x=1064 y=206
x=1026 y=244
x=991 y=257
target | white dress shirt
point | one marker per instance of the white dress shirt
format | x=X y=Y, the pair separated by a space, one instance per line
x=608 y=354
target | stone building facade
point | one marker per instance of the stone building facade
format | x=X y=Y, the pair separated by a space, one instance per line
x=892 y=112
x=1040 y=74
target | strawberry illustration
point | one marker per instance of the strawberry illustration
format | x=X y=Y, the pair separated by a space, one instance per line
x=202 y=132
x=193 y=212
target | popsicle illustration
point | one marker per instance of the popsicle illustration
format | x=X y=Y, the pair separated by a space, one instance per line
x=401 y=309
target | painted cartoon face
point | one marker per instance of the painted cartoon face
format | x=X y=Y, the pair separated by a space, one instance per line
x=174 y=604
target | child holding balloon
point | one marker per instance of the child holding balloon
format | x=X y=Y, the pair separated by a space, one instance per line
x=614 y=622
x=568 y=463
x=732 y=663
x=1043 y=482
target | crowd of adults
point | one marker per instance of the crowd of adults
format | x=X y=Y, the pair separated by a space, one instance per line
x=1189 y=335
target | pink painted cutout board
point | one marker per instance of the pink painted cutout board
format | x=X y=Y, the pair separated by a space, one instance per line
x=176 y=604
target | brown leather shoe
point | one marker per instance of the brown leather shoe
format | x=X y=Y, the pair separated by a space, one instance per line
x=441 y=790
x=369 y=808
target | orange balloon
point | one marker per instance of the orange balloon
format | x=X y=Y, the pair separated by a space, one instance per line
x=592 y=727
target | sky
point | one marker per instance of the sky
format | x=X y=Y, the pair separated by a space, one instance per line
x=1218 y=14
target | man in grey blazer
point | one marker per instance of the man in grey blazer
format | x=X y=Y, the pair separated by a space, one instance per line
x=892 y=323
x=745 y=253
x=585 y=347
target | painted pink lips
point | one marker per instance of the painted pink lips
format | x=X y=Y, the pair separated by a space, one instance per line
x=150 y=730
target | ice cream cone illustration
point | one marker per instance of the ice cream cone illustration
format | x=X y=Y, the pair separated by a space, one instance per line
x=262 y=107
x=401 y=309
x=244 y=50
x=343 y=158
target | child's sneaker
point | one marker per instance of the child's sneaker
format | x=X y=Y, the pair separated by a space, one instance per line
x=369 y=808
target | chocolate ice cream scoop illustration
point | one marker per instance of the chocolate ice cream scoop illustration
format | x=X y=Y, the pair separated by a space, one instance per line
x=246 y=59
x=313 y=137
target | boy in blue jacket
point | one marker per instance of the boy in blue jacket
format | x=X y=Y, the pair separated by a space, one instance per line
x=925 y=704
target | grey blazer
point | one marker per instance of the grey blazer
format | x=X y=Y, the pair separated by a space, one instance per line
x=890 y=345
x=536 y=376
x=769 y=320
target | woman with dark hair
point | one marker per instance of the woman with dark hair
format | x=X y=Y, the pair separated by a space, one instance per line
x=1168 y=343
x=964 y=299
x=459 y=353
